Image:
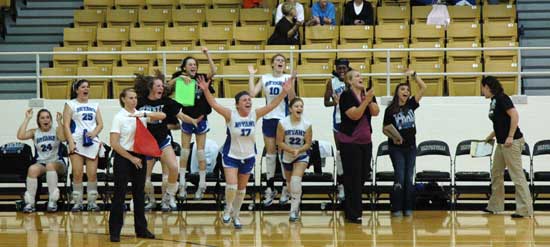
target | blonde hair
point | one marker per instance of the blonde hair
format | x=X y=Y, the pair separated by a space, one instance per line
x=287 y=8
x=349 y=76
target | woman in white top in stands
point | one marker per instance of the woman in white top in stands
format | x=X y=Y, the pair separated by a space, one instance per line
x=272 y=85
x=82 y=123
x=47 y=141
x=294 y=140
x=128 y=164
x=239 y=149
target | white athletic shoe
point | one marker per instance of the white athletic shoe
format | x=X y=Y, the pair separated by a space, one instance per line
x=285 y=196
x=182 y=192
x=168 y=203
x=294 y=216
x=150 y=205
x=29 y=208
x=52 y=206
x=269 y=195
x=199 y=194
x=77 y=200
x=237 y=223
x=93 y=207
x=341 y=194
x=226 y=218
x=172 y=203
x=77 y=207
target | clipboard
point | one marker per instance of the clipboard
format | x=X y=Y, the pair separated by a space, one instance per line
x=390 y=131
x=481 y=148
x=185 y=92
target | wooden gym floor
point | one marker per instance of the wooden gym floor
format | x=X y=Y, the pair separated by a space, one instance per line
x=425 y=228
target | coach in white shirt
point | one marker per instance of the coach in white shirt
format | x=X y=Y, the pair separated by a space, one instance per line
x=128 y=164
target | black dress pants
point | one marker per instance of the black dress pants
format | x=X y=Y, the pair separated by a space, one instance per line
x=356 y=160
x=123 y=170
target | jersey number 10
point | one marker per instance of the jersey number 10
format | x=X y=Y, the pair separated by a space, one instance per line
x=274 y=91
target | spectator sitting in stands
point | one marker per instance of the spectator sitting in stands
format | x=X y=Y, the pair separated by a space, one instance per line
x=287 y=29
x=323 y=13
x=358 y=12
x=299 y=11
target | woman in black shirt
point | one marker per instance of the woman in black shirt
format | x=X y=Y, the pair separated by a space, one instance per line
x=402 y=148
x=194 y=121
x=357 y=106
x=507 y=154
x=358 y=12
x=152 y=97
x=287 y=30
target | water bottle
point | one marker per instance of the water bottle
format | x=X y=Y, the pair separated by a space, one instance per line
x=87 y=141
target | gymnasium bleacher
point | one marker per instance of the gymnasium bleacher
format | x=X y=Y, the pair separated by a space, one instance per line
x=166 y=25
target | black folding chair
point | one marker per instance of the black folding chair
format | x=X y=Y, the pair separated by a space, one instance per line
x=15 y=159
x=316 y=181
x=386 y=176
x=468 y=181
x=442 y=175
x=540 y=177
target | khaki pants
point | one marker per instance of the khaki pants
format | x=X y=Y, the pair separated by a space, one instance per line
x=509 y=157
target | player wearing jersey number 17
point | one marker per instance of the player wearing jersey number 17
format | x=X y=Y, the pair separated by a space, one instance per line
x=239 y=149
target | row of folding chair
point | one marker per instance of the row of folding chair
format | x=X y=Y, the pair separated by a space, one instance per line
x=166 y=17
x=154 y=4
x=19 y=156
x=205 y=4
x=468 y=14
x=420 y=35
x=324 y=58
x=318 y=181
x=234 y=78
x=462 y=178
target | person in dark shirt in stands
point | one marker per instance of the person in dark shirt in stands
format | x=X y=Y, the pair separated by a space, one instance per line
x=358 y=12
x=507 y=154
x=287 y=30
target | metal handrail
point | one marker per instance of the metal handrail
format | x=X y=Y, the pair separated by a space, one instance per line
x=388 y=51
